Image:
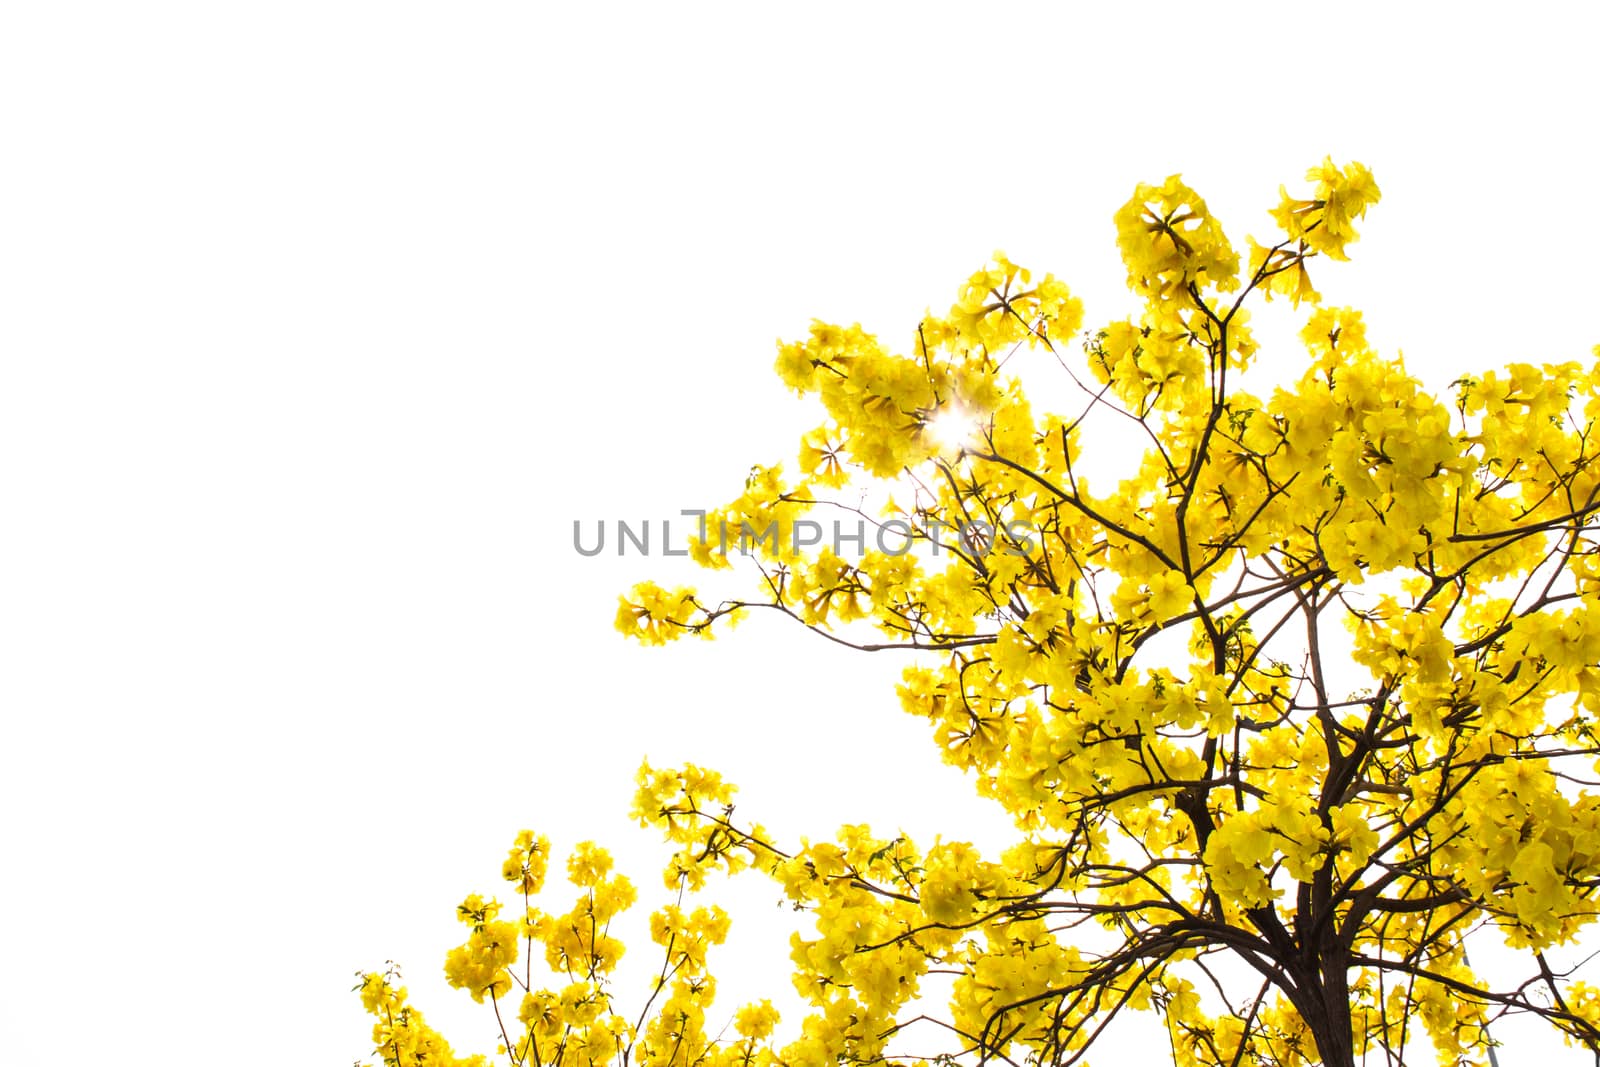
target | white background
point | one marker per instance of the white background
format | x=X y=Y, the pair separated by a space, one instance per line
x=320 y=323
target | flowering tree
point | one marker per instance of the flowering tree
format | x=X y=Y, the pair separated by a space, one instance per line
x=1282 y=717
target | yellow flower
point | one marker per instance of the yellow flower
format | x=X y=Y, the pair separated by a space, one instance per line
x=756 y=1021
x=588 y=864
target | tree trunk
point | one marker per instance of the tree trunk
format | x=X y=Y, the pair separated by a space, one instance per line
x=1321 y=994
x=1331 y=1026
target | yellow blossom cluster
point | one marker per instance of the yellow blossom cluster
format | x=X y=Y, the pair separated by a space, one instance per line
x=574 y=1021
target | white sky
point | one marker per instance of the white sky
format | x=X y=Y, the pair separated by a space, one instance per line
x=320 y=323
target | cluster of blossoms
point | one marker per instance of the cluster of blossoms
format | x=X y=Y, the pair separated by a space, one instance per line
x=573 y=1022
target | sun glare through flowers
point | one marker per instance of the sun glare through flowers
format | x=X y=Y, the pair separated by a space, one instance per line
x=953 y=428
